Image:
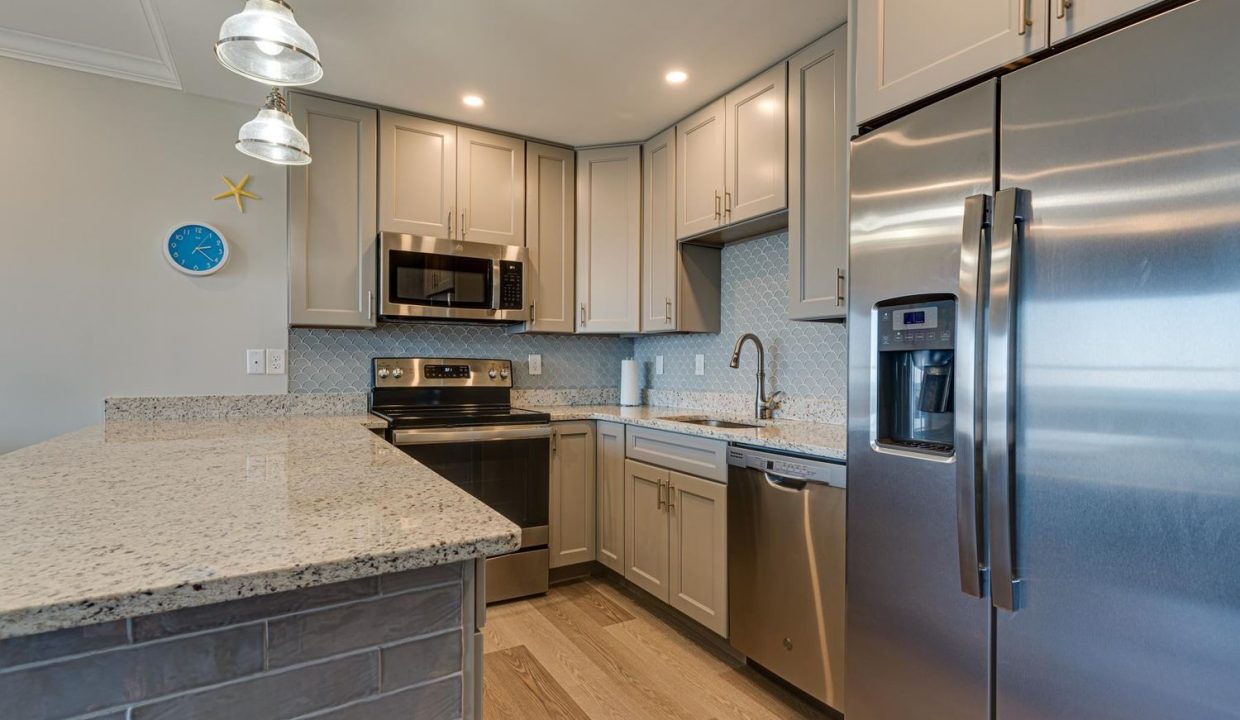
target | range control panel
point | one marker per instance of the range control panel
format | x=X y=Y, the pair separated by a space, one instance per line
x=441 y=372
x=919 y=326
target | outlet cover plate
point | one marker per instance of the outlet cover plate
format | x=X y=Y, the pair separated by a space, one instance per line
x=255 y=362
x=699 y=364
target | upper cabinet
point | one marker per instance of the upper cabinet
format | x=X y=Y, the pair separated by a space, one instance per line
x=550 y=237
x=490 y=191
x=417 y=182
x=439 y=180
x=609 y=186
x=700 y=171
x=1072 y=17
x=731 y=157
x=331 y=229
x=755 y=159
x=910 y=49
x=818 y=180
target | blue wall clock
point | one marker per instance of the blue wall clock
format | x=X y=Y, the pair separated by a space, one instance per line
x=196 y=249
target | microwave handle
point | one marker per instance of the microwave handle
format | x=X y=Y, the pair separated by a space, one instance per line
x=497 y=276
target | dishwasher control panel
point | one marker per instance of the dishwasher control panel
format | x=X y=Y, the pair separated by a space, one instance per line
x=788 y=467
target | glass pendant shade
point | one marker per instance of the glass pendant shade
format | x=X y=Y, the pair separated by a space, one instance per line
x=263 y=42
x=271 y=136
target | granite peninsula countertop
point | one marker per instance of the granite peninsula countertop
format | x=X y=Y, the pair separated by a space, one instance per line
x=135 y=517
x=808 y=438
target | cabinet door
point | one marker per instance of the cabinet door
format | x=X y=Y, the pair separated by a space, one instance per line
x=1072 y=17
x=700 y=171
x=490 y=188
x=332 y=216
x=910 y=49
x=609 y=494
x=646 y=528
x=417 y=175
x=572 y=494
x=659 y=255
x=698 y=572
x=818 y=180
x=550 y=237
x=609 y=200
x=755 y=159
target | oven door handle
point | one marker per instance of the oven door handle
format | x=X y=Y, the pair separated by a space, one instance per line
x=438 y=436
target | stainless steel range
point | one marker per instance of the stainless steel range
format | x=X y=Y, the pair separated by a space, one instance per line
x=455 y=416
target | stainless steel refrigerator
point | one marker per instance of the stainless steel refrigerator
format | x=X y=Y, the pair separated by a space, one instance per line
x=1044 y=389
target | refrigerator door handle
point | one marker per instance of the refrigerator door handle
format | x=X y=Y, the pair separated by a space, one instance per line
x=1011 y=210
x=970 y=359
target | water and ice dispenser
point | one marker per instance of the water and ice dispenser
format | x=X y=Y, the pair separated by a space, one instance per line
x=916 y=356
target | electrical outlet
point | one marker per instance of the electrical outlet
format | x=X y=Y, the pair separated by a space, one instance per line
x=275 y=361
x=699 y=364
x=658 y=364
x=536 y=364
x=255 y=362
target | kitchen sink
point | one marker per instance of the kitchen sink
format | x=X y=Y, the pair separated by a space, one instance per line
x=712 y=422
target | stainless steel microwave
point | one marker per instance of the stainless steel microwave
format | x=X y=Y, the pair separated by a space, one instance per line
x=434 y=279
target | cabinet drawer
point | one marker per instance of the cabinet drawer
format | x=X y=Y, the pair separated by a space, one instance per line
x=689 y=454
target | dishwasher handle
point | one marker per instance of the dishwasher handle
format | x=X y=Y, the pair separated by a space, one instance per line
x=784 y=483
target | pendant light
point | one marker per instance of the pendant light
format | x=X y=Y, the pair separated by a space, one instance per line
x=271 y=136
x=263 y=42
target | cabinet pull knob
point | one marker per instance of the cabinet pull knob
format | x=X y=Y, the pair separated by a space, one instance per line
x=718 y=213
x=451 y=212
x=1023 y=21
x=463 y=225
x=583 y=314
x=670 y=489
x=667 y=310
x=727 y=202
x=839 y=287
x=370 y=304
x=659 y=502
x=1062 y=8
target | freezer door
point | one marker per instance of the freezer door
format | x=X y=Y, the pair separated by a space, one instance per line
x=917 y=641
x=1127 y=401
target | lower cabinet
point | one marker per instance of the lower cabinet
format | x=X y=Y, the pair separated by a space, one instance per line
x=675 y=539
x=609 y=494
x=572 y=493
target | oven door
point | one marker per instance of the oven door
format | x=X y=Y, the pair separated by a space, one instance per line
x=425 y=278
x=505 y=466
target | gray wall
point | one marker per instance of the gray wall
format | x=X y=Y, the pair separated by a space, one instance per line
x=95 y=173
x=806 y=360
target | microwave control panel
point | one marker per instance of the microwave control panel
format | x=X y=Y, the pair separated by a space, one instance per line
x=511 y=289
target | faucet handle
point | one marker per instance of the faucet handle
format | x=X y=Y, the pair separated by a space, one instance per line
x=774 y=401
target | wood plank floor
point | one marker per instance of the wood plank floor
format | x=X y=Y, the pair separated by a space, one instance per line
x=587 y=651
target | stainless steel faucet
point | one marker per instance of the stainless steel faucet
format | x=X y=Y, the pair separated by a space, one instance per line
x=763 y=406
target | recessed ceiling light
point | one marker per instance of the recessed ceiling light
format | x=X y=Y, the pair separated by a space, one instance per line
x=472 y=100
x=676 y=77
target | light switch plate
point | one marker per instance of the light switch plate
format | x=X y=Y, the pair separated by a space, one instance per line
x=658 y=364
x=255 y=362
x=699 y=364
x=275 y=361
x=535 y=364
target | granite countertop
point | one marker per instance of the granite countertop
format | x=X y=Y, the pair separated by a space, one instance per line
x=137 y=517
x=798 y=436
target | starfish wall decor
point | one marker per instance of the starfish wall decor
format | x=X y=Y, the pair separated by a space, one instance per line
x=237 y=191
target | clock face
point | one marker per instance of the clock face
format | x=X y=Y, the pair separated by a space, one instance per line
x=196 y=249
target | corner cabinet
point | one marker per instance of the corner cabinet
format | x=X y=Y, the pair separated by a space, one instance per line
x=550 y=237
x=331 y=229
x=818 y=180
x=609 y=494
x=572 y=511
x=908 y=50
x=609 y=187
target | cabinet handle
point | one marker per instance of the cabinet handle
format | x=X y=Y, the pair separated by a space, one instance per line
x=667 y=310
x=727 y=202
x=451 y=212
x=533 y=314
x=1023 y=21
x=463 y=225
x=659 y=503
x=555 y=445
x=670 y=489
x=1062 y=8
x=583 y=314
x=839 y=287
x=370 y=304
x=718 y=214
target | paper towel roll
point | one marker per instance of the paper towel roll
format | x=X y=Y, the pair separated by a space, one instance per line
x=630 y=385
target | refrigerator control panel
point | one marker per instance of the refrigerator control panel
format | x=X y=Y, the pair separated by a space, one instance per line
x=920 y=326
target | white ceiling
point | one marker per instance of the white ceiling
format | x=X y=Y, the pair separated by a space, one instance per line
x=579 y=72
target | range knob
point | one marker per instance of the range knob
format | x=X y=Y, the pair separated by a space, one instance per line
x=491 y=373
x=397 y=372
x=383 y=372
x=504 y=373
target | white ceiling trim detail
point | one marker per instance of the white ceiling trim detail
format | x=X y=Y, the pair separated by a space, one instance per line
x=159 y=71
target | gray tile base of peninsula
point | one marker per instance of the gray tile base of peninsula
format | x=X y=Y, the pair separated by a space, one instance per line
x=390 y=646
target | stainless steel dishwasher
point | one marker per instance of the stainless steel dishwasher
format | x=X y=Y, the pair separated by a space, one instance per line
x=786 y=567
